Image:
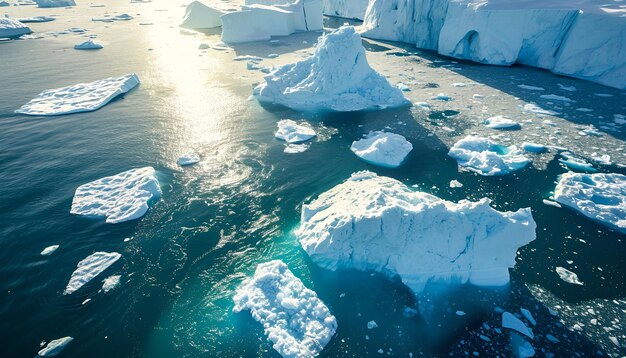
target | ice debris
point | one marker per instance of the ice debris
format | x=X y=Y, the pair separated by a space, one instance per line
x=49 y=250
x=111 y=283
x=89 y=268
x=510 y=321
x=568 y=276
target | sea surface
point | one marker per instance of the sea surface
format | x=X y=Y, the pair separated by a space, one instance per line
x=239 y=206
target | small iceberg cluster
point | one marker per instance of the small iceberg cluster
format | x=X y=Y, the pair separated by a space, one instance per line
x=198 y=15
x=292 y=132
x=120 y=197
x=296 y=321
x=55 y=347
x=383 y=149
x=82 y=97
x=88 y=45
x=336 y=77
x=10 y=27
x=485 y=157
x=89 y=268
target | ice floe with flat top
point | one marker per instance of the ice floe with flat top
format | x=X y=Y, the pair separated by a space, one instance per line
x=485 y=157
x=49 y=250
x=121 y=197
x=82 y=97
x=501 y=122
x=295 y=320
x=568 y=276
x=383 y=149
x=25 y=20
x=376 y=223
x=199 y=15
x=10 y=27
x=292 y=132
x=601 y=197
x=89 y=268
x=55 y=347
x=55 y=3
x=336 y=77
x=88 y=45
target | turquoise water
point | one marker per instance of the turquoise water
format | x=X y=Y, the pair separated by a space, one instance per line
x=238 y=207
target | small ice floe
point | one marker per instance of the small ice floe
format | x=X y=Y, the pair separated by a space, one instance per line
x=585 y=110
x=89 y=268
x=554 y=97
x=109 y=18
x=55 y=347
x=604 y=95
x=26 y=20
x=501 y=122
x=55 y=3
x=292 y=132
x=603 y=159
x=82 y=97
x=551 y=203
x=531 y=88
x=575 y=163
x=10 y=27
x=567 y=88
x=552 y=338
x=294 y=319
x=111 y=283
x=49 y=250
x=601 y=197
x=526 y=313
x=520 y=347
x=201 y=16
x=88 y=45
x=533 y=108
x=372 y=324
x=568 y=276
x=121 y=197
x=460 y=313
x=458 y=84
x=296 y=148
x=485 y=157
x=402 y=87
x=590 y=130
x=511 y=322
x=442 y=97
x=247 y=58
x=383 y=149
x=188 y=159
x=455 y=184
x=534 y=147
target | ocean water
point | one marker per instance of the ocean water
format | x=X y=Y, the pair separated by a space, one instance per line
x=239 y=206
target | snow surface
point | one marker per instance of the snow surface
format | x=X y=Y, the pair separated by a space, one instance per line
x=349 y=9
x=375 y=223
x=188 y=159
x=120 y=197
x=336 y=77
x=501 y=122
x=82 y=97
x=88 y=45
x=89 y=268
x=55 y=347
x=296 y=321
x=10 y=27
x=111 y=283
x=568 y=276
x=55 y=3
x=49 y=250
x=198 y=15
x=599 y=196
x=292 y=132
x=511 y=322
x=485 y=157
x=383 y=149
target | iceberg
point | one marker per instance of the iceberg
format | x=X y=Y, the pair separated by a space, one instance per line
x=568 y=276
x=10 y=27
x=599 y=196
x=375 y=223
x=120 y=197
x=89 y=268
x=349 y=9
x=198 y=15
x=111 y=283
x=292 y=132
x=55 y=3
x=49 y=250
x=88 y=45
x=188 y=159
x=55 y=347
x=501 y=122
x=383 y=149
x=336 y=77
x=82 y=97
x=485 y=157
x=296 y=321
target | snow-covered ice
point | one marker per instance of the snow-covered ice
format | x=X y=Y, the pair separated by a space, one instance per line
x=55 y=347
x=599 y=196
x=336 y=77
x=511 y=322
x=10 y=27
x=88 y=45
x=455 y=184
x=121 y=197
x=296 y=321
x=375 y=223
x=568 y=276
x=111 y=283
x=49 y=250
x=188 y=159
x=292 y=132
x=199 y=15
x=89 y=268
x=501 y=122
x=82 y=97
x=485 y=157
x=383 y=149
x=55 y=3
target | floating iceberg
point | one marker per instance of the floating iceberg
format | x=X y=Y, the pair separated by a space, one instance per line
x=188 y=159
x=500 y=122
x=55 y=3
x=485 y=157
x=568 y=276
x=375 y=223
x=198 y=15
x=82 y=97
x=111 y=283
x=336 y=78
x=601 y=197
x=384 y=149
x=292 y=132
x=88 y=45
x=49 y=250
x=10 y=27
x=296 y=321
x=349 y=9
x=55 y=347
x=89 y=268
x=120 y=197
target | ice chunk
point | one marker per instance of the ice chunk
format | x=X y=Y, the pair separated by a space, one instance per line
x=575 y=163
x=554 y=97
x=455 y=184
x=531 y=88
x=55 y=3
x=501 y=122
x=49 y=250
x=349 y=9
x=88 y=45
x=533 y=108
x=120 y=197
x=384 y=149
x=292 y=132
x=372 y=325
x=529 y=316
x=55 y=347
x=296 y=321
x=10 y=27
x=534 y=147
x=188 y=159
x=82 y=97
x=442 y=97
x=375 y=223
x=295 y=148
x=568 y=276
x=25 y=20
x=521 y=348
x=110 y=283
x=199 y=15
x=510 y=321
x=336 y=78
x=89 y=268
x=485 y=157
x=460 y=313
x=601 y=197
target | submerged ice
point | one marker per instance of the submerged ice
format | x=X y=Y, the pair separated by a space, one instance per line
x=485 y=157
x=89 y=268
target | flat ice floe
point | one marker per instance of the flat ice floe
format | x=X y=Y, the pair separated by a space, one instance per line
x=89 y=268
x=375 y=223
x=120 y=197
x=198 y=15
x=601 y=197
x=534 y=147
x=336 y=77
x=485 y=157
x=82 y=97
x=296 y=321
x=55 y=3
x=292 y=132
x=511 y=322
x=49 y=250
x=55 y=347
x=501 y=122
x=383 y=149
x=88 y=45
x=10 y=27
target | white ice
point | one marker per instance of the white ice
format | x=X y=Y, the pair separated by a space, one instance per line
x=292 y=132
x=511 y=322
x=120 y=197
x=455 y=184
x=383 y=149
x=199 y=15
x=485 y=157
x=88 y=45
x=188 y=159
x=10 y=27
x=55 y=3
x=89 y=268
x=111 y=283
x=49 y=250
x=501 y=122
x=55 y=347
x=568 y=276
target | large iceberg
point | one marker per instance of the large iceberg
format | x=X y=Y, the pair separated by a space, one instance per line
x=82 y=97
x=198 y=15
x=487 y=158
x=384 y=149
x=376 y=223
x=55 y=3
x=55 y=347
x=349 y=9
x=11 y=27
x=89 y=268
x=120 y=197
x=601 y=197
x=296 y=321
x=336 y=77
